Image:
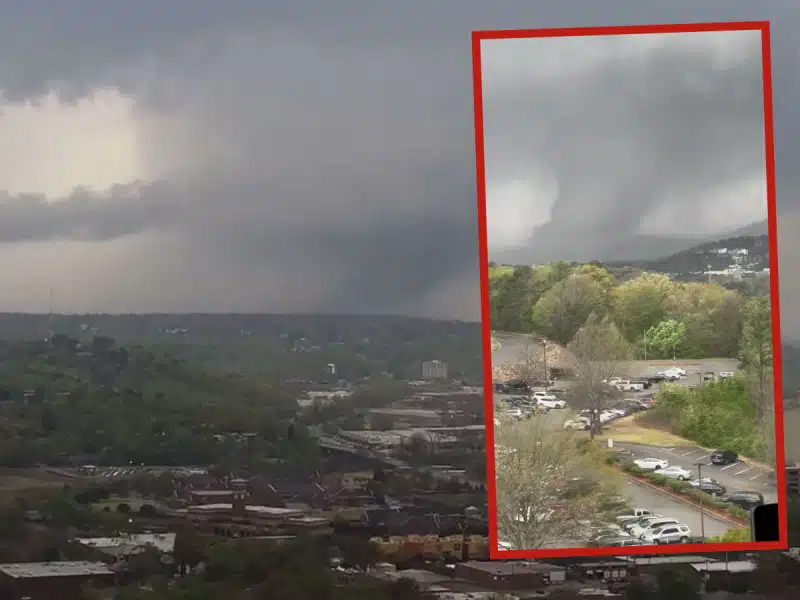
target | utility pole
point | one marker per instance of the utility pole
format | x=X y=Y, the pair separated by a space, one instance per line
x=702 y=510
x=644 y=337
x=544 y=354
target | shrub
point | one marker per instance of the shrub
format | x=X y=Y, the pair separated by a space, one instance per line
x=684 y=489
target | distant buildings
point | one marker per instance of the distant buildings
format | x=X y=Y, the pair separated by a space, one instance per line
x=434 y=369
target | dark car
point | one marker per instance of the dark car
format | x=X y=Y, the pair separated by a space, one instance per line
x=724 y=457
x=709 y=376
x=621 y=540
x=746 y=500
x=711 y=488
x=517 y=387
x=656 y=378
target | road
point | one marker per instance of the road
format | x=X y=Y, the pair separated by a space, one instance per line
x=737 y=477
x=512 y=346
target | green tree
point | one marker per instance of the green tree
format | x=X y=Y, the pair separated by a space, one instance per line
x=564 y=308
x=666 y=338
x=756 y=352
x=640 y=304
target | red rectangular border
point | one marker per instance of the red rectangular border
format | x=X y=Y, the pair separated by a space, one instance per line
x=764 y=28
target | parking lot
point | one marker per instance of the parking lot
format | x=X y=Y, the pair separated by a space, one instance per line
x=736 y=477
x=688 y=514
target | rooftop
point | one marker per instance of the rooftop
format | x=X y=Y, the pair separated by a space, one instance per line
x=165 y=542
x=512 y=567
x=264 y=510
x=71 y=568
x=733 y=566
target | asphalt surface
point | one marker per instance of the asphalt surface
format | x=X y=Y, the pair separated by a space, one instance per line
x=736 y=477
x=642 y=497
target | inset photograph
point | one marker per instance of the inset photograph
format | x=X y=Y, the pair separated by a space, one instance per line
x=629 y=282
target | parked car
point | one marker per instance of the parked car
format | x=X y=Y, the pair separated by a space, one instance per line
x=696 y=482
x=608 y=415
x=673 y=533
x=629 y=386
x=724 y=457
x=726 y=374
x=514 y=413
x=636 y=514
x=652 y=525
x=676 y=472
x=711 y=488
x=579 y=423
x=549 y=401
x=622 y=540
x=646 y=383
x=670 y=376
x=709 y=376
x=746 y=500
x=637 y=523
x=651 y=464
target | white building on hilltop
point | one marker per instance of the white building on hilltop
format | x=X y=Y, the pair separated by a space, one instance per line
x=434 y=369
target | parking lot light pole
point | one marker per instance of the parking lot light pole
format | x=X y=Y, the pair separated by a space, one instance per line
x=700 y=466
x=544 y=358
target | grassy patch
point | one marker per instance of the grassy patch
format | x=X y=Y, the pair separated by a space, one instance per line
x=629 y=430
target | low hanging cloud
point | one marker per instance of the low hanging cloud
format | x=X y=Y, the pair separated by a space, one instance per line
x=290 y=156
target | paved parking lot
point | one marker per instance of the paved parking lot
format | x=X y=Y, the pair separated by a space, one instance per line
x=643 y=497
x=739 y=476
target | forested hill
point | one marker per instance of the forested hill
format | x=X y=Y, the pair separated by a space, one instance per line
x=277 y=346
x=714 y=256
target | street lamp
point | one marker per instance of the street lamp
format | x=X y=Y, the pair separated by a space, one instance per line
x=700 y=466
x=544 y=354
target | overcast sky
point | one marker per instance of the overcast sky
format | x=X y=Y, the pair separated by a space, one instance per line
x=275 y=156
x=592 y=140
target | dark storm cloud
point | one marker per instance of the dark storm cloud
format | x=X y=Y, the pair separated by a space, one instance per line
x=351 y=133
x=626 y=136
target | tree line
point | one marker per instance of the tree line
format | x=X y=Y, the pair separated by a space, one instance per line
x=657 y=316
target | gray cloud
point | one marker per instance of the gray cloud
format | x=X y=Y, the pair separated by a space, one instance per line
x=637 y=131
x=322 y=157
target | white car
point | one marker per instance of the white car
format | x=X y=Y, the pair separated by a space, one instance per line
x=677 y=371
x=548 y=400
x=607 y=416
x=514 y=413
x=671 y=533
x=705 y=480
x=671 y=374
x=651 y=525
x=726 y=374
x=675 y=472
x=629 y=386
x=579 y=423
x=651 y=464
x=636 y=514
x=612 y=381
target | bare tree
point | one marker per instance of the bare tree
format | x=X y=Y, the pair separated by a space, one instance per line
x=546 y=490
x=601 y=352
